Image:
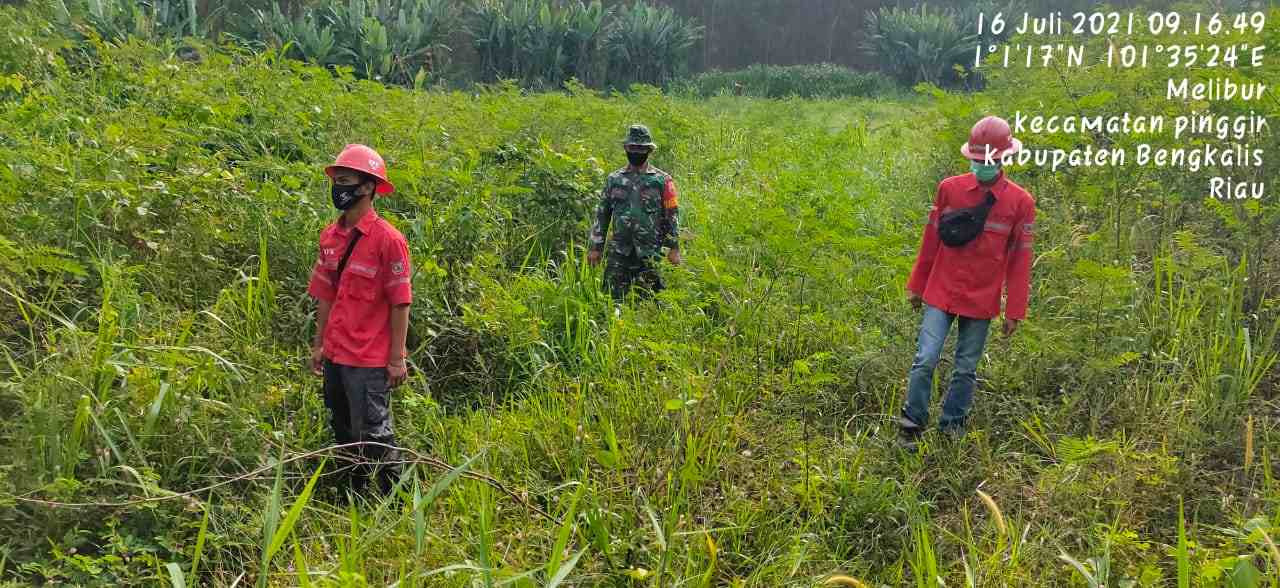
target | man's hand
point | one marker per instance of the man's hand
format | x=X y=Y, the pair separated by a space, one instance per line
x=397 y=373
x=317 y=360
x=915 y=300
x=673 y=255
x=593 y=257
x=1010 y=325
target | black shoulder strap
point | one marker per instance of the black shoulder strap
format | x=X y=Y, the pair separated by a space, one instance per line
x=990 y=201
x=345 y=256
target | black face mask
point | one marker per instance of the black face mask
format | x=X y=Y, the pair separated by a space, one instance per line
x=637 y=159
x=344 y=197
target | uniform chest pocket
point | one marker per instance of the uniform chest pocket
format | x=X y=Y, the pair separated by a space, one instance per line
x=359 y=281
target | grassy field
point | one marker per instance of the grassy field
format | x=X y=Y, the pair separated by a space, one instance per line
x=160 y=224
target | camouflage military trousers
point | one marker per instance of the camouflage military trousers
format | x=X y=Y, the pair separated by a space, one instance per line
x=621 y=272
x=359 y=403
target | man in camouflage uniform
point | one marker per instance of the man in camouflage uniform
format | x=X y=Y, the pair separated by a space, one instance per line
x=639 y=201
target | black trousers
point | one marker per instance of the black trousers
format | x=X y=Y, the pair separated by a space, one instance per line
x=359 y=403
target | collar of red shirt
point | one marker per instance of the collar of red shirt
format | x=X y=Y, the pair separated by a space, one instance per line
x=998 y=188
x=365 y=224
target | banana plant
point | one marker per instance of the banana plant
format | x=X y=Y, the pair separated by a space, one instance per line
x=272 y=27
x=175 y=17
x=395 y=41
x=582 y=40
x=117 y=20
x=416 y=36
x=916 y=44
x=314 y=40
x=369 y=50
x=649 y=44
x=539 y=43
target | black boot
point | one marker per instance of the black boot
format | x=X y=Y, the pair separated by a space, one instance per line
x=909 y=433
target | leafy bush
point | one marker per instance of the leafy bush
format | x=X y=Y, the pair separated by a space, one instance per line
x=394 y=41
x=117 y=20
x=778 y=81
x=918 y=45
x=649 y=45
x=543 y=43
x=538 y=42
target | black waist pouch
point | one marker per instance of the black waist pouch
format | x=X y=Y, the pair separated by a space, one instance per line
x=961 y=226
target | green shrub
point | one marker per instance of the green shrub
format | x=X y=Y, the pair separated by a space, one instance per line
x=117 y=20
x=780 y=81
x=538 y=42
x=393 y=41
x=918 y=45
x=649 y=45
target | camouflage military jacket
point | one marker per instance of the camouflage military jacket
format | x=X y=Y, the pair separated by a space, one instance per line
x=641 y=207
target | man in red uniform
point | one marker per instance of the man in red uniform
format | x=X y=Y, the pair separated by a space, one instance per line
x=977 y=242
x=361 y=282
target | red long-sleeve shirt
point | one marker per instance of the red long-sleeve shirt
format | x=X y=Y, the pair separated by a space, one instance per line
x=377 y=277
x=968 y=280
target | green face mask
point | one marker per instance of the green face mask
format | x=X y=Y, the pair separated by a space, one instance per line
x=985 y=173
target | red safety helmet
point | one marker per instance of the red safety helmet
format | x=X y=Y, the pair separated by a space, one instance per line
x=363 y=159
x=991 y=133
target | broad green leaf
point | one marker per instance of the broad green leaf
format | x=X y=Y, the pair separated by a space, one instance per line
x=176 y=579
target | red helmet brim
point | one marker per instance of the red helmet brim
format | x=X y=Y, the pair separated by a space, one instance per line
x=969 y=153
x=383 y=186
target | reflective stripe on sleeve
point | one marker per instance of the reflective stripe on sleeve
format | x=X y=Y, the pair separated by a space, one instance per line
x=998 y=227
x=319 y=275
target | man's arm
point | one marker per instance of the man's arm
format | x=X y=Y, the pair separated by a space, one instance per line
x=317 y=343
x=322 y=318
x=1018 y=275
x=669 y=235
x=399 y=332
x=321 y=288
x=929 y=244
x=600 y=228
x=398 y=268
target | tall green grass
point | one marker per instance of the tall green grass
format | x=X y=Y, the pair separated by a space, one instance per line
x=778 y=81
x=737 y=430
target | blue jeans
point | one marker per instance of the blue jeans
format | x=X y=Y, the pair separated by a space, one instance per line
x=972 y=338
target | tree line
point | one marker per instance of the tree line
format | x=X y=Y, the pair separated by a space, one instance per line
x=542 y=44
